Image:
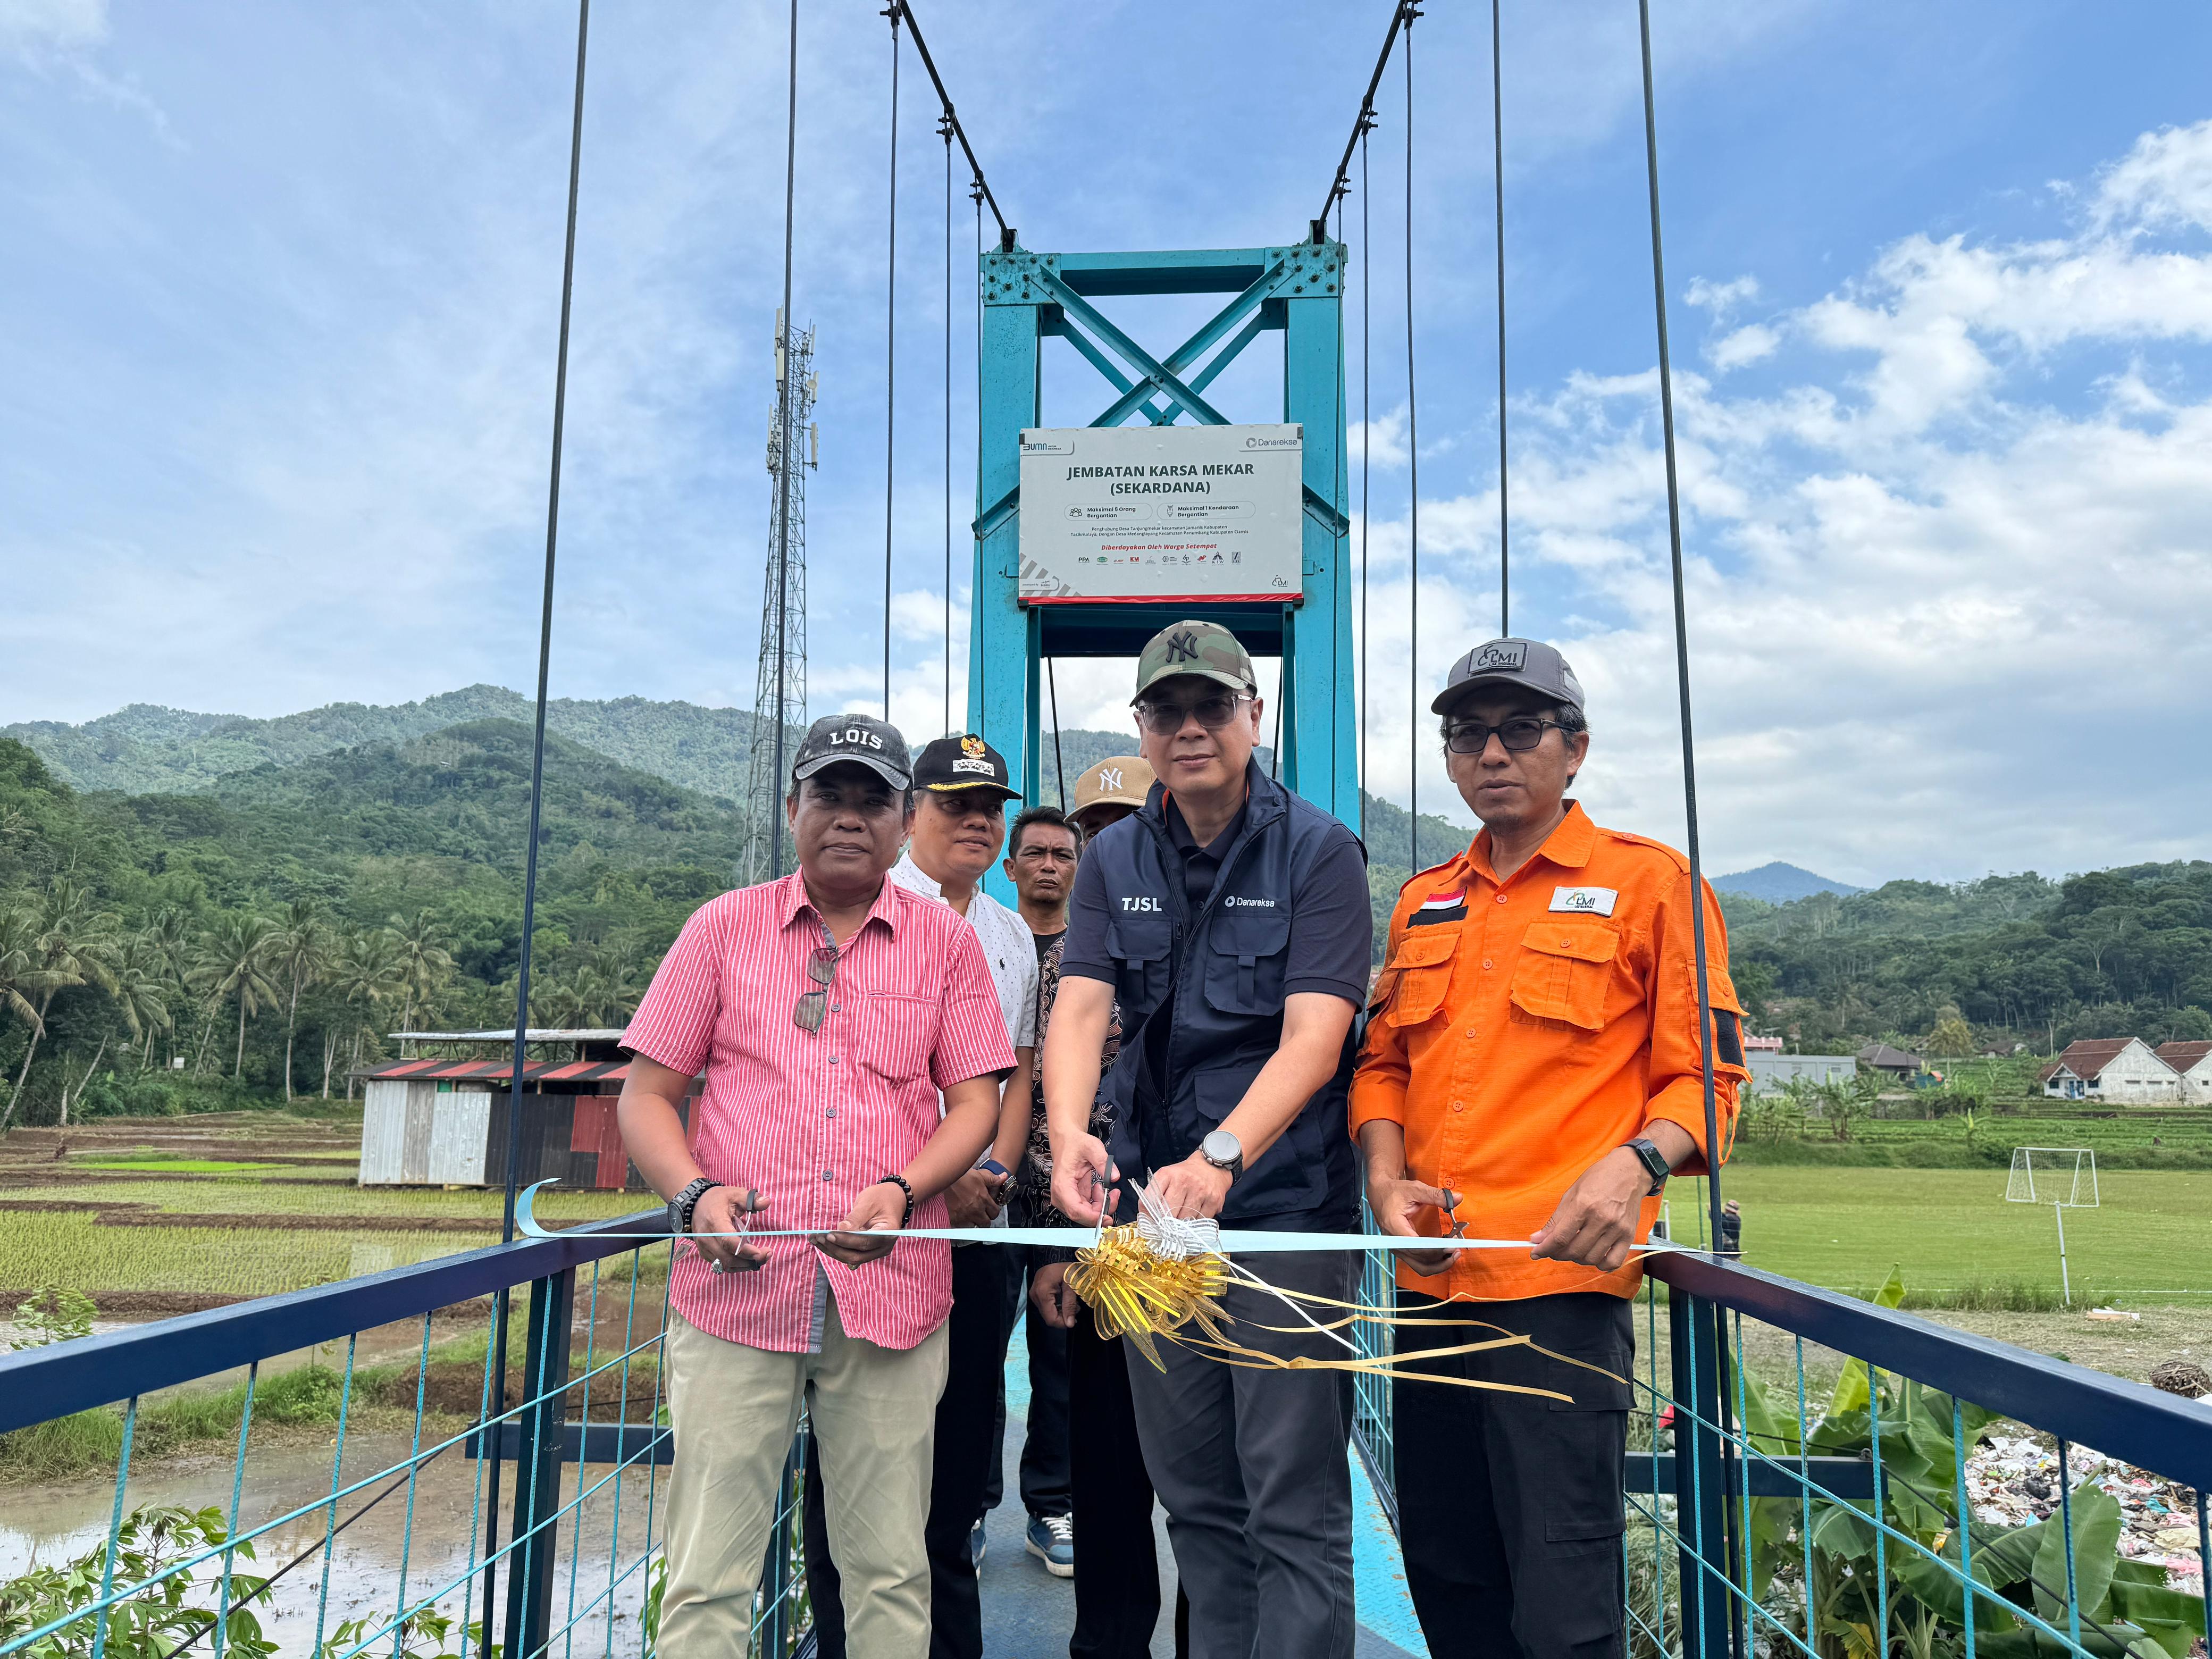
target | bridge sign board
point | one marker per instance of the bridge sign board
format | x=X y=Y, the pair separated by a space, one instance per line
x=1156 y=513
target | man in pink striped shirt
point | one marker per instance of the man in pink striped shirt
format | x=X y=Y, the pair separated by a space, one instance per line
x=830 y=1010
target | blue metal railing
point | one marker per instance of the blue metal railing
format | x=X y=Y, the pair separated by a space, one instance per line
x=586 y=1440
x=1763 y=1520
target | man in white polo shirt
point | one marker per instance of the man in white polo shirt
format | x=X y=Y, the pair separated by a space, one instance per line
x=961 y=787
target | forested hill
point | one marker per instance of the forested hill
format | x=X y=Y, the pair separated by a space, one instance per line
x=144 y=750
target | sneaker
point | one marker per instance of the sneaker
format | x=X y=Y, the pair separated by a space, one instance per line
x=1051 y=1541
x=975 y=1543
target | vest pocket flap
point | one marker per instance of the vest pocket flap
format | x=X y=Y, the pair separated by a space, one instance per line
x=1424 y=947
x=1580 y=943
x=1128 y=940
x=1250 y=934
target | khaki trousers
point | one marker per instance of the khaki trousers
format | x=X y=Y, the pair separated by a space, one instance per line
x=734 y=1410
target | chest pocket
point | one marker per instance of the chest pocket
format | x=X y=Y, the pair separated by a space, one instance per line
x=896 y=1033
x=1140 y=945
x=1564 y=972
x=1249 y=951
x=1413 y=981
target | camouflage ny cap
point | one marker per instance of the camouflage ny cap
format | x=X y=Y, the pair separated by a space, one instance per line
x=1204 y=648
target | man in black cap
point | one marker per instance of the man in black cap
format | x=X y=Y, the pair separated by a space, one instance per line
x=961 y=787
x=837 y=1123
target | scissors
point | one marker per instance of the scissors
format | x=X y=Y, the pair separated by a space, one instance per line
x=1458 y=1226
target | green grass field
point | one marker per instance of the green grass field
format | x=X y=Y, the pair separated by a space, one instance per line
x=1951 y=1229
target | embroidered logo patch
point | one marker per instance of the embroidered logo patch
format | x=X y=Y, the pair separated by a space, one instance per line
x=1584 y=901
x=1444 y=907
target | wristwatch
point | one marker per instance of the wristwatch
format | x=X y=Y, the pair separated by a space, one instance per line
x=993 y=1168
x=1223 y=1151
x=1655 y=1161
x=681 y=1206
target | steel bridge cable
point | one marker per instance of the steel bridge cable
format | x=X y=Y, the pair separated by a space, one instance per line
x=1682 y=634
x=890 y=357
x=1365 y=439
x=537 y=738
x=783 y=439
x=944 y=98
x=945 y=128
x=1413 y=489
x=1401 y=16
x=1059 y=767
x=1497 y=174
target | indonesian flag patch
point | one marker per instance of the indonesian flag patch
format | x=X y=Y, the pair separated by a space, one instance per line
x=1444 y=907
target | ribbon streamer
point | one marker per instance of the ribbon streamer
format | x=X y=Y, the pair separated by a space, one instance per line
x=1152 y=1279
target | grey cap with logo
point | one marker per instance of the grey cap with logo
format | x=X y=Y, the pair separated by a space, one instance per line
x=860 y=738
x=1203 y=648
x=1526 y=665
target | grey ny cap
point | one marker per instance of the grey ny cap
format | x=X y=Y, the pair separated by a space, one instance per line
x=859 y=737
x=1530 y=664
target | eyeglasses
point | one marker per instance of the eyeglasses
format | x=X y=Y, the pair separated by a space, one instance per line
x=821 y=968
x=1163 y=718
x=1519 y=735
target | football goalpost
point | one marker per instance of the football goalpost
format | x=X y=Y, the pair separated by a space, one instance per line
x=2065 y=1178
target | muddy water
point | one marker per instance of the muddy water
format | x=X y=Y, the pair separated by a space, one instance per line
x=45 y=1526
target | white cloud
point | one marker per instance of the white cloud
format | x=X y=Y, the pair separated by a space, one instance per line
x=34 y=25
x=2165 y=181
x=1926 y=605
x=1744 y=345
x=1720 y=298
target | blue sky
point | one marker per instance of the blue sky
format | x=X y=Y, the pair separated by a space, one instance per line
x=276 y=329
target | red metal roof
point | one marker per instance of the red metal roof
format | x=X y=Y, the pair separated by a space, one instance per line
x=497 y=1071
x=2183 y=1055
x=2086 y=1057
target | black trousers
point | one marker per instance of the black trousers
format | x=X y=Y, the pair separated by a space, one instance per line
x=1117 y=1568
x=1510 y=1506
x=969 y=1414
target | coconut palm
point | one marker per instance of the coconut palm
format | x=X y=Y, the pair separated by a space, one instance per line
x=168 y=942
x=299 y=951
x=423 y=961
x=19 y=975
x=364 y=970
x=234 y=961
x=142 y=991
x=72 y=942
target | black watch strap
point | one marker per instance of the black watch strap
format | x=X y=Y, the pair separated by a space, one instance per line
x=1655 y=1162
x=681 y=1206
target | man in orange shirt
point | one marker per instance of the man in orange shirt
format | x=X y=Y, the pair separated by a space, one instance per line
x=1532 y=1067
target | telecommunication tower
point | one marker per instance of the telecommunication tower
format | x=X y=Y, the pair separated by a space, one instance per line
x=795 y=448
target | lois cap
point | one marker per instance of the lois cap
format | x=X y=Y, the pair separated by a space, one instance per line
x=859 y=737
x=1529 y=664
x=1204 y=648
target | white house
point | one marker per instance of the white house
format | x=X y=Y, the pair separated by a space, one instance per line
x=1772 y=1073
x=2193 y=1061
x=2119 y=1069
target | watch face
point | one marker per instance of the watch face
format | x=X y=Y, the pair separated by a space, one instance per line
x=1219 y=1146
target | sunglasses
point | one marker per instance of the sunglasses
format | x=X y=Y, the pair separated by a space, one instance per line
x=1519 y=735
x=821 y=968
x=1163 y=718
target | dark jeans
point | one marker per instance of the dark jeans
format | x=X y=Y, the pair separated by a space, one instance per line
x=967 y=1448
x=1117 y=1570
x=1251 y=1465
x=1044 y=1447
x=1511 y=1506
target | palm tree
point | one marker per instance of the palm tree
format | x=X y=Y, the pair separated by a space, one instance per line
x=235 y=960
x=71 y=943
x=142 y=990
x=299 y=951
x=424 y=960
x=365 y=970
x=20 y=976
x=168 y=941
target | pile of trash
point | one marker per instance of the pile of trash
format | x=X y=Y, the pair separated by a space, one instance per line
x=2015 y=1482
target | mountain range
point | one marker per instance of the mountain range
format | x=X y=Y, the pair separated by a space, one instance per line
x=1781 y=883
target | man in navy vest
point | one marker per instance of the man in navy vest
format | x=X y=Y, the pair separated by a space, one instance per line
x=1230 y=919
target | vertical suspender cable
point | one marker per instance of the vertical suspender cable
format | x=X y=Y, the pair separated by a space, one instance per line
x=1366 y=431
x=537 y=770
x=1059 y=769
x=1498 y=173
x=890 y=355
x=783 y=441
x=944 y=126
x=975 y=596
x=1413 y=485
x=1682 y=640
